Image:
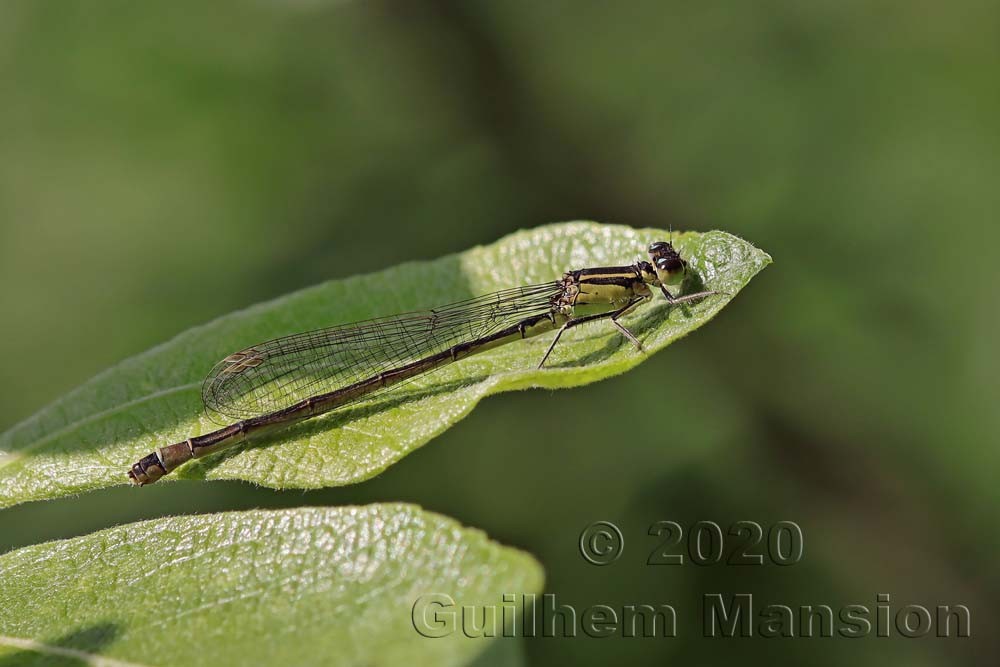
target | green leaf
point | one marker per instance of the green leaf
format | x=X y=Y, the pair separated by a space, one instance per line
x=324 y=586
x=90 y=437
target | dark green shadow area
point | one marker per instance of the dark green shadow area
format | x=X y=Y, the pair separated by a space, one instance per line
x=90 y=640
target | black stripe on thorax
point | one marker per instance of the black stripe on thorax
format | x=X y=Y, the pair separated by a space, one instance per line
x=620 y=281
x=607 y=271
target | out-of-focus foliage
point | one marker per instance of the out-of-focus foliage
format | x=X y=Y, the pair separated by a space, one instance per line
x=164 y=165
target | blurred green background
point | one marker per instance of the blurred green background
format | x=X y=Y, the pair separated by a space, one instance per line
x=162 y=164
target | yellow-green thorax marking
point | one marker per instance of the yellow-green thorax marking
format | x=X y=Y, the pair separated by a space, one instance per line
x=612 y=292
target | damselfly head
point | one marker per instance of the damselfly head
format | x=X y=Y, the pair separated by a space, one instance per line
x=670 y=268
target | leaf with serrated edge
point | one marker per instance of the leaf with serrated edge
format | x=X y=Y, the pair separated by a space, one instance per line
x=88 y=438
x=310 y=586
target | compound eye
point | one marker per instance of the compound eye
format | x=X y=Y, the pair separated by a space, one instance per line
x=658 y=246
x=669 y=264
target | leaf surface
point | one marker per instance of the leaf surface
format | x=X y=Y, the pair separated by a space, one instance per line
x=312 y=586
x=90 y=437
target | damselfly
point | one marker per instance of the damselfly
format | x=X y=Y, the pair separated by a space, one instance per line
x=286 y=380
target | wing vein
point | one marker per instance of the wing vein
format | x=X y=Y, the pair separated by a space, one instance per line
x=278 y=373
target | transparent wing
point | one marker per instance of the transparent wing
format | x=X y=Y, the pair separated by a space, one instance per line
x=281 y=372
